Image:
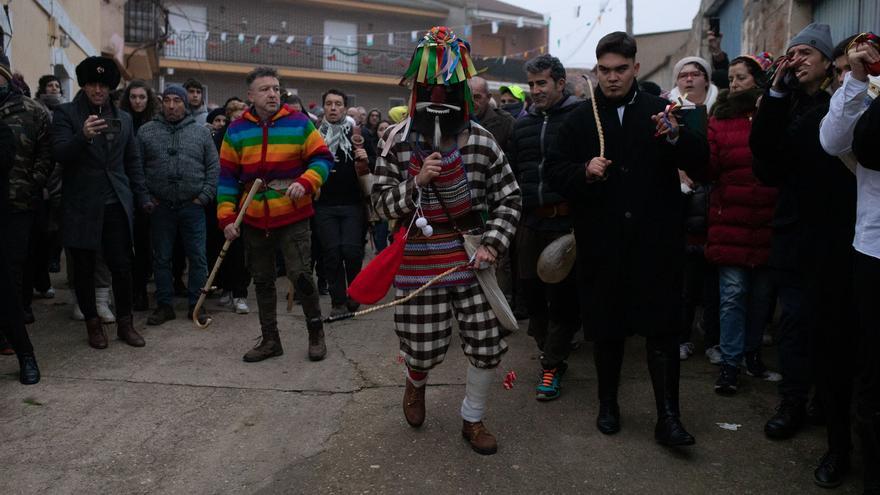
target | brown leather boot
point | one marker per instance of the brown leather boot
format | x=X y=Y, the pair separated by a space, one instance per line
x=479 y=437
x=414 y=404
x=126 y=332
x=269 y=346
x=97 y=337
x=317 y=348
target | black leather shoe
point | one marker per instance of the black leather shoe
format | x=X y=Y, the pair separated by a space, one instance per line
x=29 y=316
x=29 y=372
x=671 y=433
x=788 y=420
x=831 y=470
x=608 y=420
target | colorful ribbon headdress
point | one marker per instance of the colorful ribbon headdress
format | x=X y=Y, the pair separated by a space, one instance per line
x=441 y=58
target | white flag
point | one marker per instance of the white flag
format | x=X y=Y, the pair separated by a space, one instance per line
x=290 y=39
x=257 y=38
x=391 y=38
x=223 y=37
x=414 y=36
x=494 y=27
x=273 y=39
x=326 y=40
x=520 y=22
x=369 y=40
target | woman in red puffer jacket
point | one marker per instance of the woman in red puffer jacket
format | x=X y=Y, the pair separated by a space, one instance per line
x=740 y=213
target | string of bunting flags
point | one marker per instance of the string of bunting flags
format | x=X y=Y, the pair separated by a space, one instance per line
x=300 y=44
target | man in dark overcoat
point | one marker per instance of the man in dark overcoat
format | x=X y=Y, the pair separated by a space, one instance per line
x=103 y=183
x=628 y=228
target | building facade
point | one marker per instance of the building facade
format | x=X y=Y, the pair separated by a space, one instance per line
x=359 y=47
x=53 y=36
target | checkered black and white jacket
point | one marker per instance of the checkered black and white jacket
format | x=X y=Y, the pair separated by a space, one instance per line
x=494 y=190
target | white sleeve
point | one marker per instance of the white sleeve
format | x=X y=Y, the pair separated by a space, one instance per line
x=847 y=105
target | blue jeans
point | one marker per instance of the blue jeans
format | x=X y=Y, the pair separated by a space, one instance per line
x=745 y=302
x=165 y=222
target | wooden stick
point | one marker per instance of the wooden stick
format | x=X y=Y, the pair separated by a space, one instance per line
x=241 y=212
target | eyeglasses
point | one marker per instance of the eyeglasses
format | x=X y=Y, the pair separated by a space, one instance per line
x=693 y=75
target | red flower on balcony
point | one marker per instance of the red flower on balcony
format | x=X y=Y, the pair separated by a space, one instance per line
x=367 y=60
x=255 y=49
x=332 y=58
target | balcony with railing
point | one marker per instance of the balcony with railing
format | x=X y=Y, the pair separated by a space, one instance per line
x=338 y=55
x=145 y=21
x=288 y=51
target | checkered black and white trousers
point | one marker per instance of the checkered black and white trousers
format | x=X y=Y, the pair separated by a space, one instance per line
x=424 y=327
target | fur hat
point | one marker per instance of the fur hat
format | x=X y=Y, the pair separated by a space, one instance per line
x=102 y=70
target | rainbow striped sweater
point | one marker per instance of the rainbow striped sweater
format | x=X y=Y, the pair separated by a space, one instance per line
x=286 y=148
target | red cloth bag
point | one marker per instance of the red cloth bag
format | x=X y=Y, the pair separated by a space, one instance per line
x=374 y=280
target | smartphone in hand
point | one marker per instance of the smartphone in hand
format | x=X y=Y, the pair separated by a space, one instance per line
x=114 y=126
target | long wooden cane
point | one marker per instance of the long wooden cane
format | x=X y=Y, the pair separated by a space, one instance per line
x=207 y=288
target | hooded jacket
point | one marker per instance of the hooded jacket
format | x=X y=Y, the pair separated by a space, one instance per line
x=286 y=147
x=180 y=161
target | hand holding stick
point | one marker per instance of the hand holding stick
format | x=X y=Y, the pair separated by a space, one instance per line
x=204 y=292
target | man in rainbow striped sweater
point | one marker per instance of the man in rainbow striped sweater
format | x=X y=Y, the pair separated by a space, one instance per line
x=281 y=146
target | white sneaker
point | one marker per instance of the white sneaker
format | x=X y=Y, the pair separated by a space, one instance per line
x=49 y=294
x=714 y=354
x=77 y=314
x=102 y=304
x=241 y=306
x=685 y=350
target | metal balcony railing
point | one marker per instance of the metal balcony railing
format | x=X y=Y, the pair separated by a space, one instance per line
x=301 y=52
x=145 y=21
x=312 y=53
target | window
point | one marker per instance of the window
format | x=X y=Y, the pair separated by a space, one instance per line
x=352 y=100
x=340 y=54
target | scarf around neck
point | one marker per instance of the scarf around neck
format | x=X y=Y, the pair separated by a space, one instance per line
x=336 y=136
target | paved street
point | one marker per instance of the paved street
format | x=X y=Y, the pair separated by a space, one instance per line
x=186 y=415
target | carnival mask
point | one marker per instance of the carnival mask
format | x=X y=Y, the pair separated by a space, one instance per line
x=439 y=109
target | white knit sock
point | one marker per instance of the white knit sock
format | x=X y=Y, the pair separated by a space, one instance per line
x=476 y=393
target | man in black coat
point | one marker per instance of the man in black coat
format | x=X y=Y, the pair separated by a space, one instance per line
x=628 y=227
x=811 y=253
x=553 y=308
x=103 y=183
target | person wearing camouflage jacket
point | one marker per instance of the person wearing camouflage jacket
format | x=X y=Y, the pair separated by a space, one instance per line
x=32 y=165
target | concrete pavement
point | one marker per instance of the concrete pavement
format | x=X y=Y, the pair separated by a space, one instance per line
x=186 y=415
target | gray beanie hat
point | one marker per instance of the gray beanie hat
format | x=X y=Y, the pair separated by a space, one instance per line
x=816 y=35
x=176 y=90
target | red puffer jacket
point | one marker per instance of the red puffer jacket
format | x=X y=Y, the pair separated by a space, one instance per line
x=740 y=207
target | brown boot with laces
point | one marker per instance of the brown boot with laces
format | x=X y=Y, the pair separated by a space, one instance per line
x=414 y=404
x=269 y=346
x=126 y=332
x=479 y=437
x=317 y=347
x=97 y=337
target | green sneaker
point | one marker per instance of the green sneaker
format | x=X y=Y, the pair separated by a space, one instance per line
x=548 y=386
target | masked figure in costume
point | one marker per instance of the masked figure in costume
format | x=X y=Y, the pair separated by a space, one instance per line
x=446 y=175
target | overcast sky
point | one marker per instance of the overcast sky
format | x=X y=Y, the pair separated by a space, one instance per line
x=577 y=45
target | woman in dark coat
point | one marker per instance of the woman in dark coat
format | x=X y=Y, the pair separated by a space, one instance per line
x=103 y=181
x=628 y=229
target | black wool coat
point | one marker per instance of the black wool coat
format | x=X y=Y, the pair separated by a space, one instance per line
x=814 y=221
x=629 y=230
x=118 y=159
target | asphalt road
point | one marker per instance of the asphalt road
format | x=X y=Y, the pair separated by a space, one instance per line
x=186 y=415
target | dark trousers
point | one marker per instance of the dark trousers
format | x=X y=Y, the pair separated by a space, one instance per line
x=700 y=287
x=233 y=275
x=554 y=309
x=167 y=225
x=17 y=240
x=12 y=325
x=867 y=293
x=663 y=366
x=341 y=229
x=143 y=256
x=793 y=345
x=295 y=242
x=36 y=269
x=116 y=248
